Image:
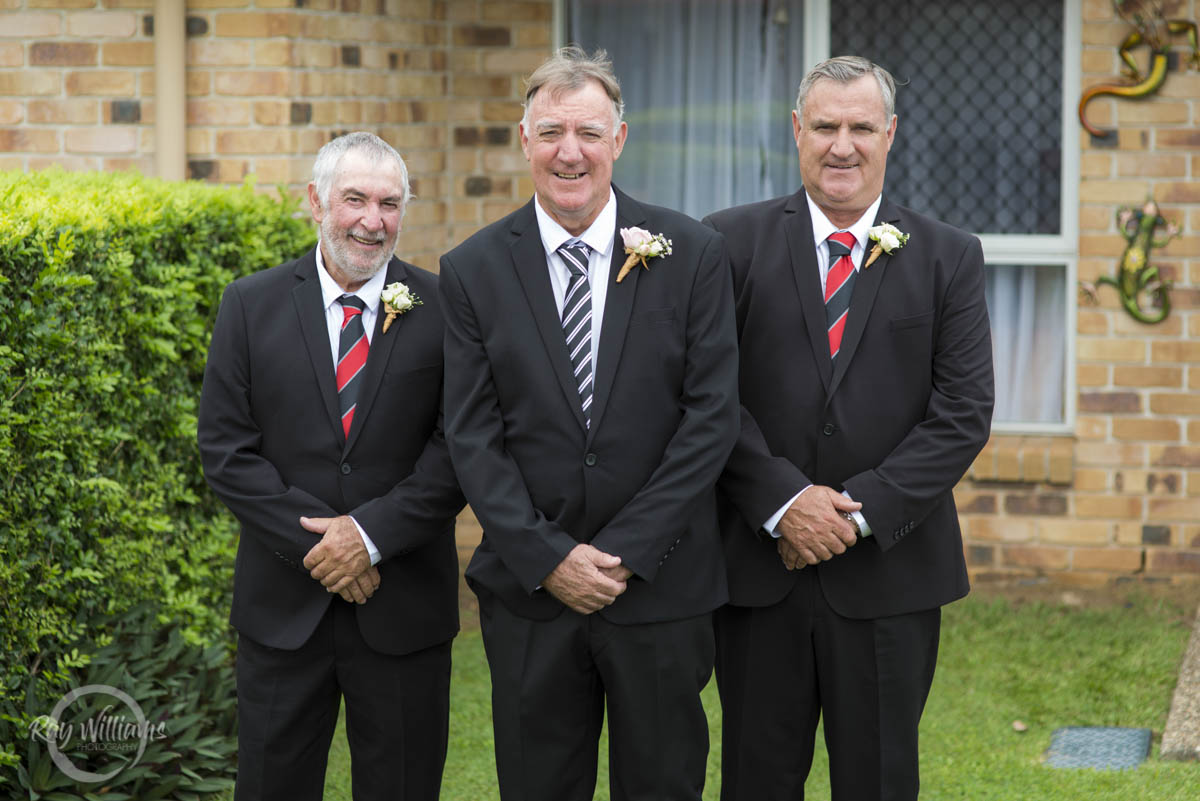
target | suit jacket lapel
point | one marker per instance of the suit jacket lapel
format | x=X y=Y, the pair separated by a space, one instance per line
x=618 y=307
x=798 y=227
x=377 y=357
x=310 y=309
x=866 y=287
x=529 y=261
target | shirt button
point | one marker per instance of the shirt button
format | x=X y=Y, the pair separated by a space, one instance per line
x=590 y=460
x=828 y=429
x=345 y=469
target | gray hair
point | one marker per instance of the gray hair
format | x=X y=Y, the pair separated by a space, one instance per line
x=845 y=69
x=370 y=145
x=569 y=69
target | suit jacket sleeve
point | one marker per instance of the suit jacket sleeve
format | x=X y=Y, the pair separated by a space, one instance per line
x=419 y=508
x=937 y=452
x=230 y=440
x=530 y=545
x=646 y=527
x=756 y=481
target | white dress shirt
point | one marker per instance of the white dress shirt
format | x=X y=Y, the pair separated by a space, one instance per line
x=599 y=237
x=822 y=230
x=369 y=294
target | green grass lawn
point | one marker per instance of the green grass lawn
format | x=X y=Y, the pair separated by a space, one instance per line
x=1045 y=664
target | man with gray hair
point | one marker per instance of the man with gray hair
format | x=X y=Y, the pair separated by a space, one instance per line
x=591 y=400
x=320 y=428
x=866 y=388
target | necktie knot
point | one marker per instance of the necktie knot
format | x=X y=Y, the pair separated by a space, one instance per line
x=575 y=256
x=840 y=244
x=352 y=304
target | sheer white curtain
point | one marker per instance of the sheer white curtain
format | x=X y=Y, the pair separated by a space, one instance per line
x=1028 y=310
x=708 y=86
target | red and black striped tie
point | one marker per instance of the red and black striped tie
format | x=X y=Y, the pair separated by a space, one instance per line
x=839 y=283
x=352 y=357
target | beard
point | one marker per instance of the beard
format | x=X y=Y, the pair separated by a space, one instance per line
x=355 y=266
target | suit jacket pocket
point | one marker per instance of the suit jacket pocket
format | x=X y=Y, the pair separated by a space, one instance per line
x=420 y=372
x=666 y=315
x=914 y=321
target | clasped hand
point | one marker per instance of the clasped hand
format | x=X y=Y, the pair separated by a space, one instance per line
x=813 y=530
x=340 y=560
x=588 y=579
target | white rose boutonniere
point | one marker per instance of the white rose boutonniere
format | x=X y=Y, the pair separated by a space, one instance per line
x=640 y=244
x=397 y=299
x=887 y=238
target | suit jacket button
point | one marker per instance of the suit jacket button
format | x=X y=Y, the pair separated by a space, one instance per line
x=828 y=429
x=590 y=460
x=345 y=469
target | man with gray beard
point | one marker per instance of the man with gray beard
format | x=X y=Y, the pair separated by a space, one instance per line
x=320 y=428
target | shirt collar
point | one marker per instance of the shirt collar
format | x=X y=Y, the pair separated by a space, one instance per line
x=599 y=235
x=330 y=290
x=822 y=227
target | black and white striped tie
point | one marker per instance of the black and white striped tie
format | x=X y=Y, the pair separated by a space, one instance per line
x=577 y=321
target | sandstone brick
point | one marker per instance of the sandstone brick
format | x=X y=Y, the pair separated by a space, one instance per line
x=1111 y=349
x=980 y=555
x=1100 y=454
x=1096 y=164
x=1186 y=403
x=63 y=54
x=1174 y=351
x=1175 y=456
x=30 y=25
x=533 y=36
x=1110 y=402
x=1177 y=192
x=1108 y=506
x=1114 y=560
x=29 y=83
x=1035 y=556
x=1044 y=504
x=1147 y=482
x=974 y=503
x=101 y=24
x=1091 y=428
x=1091 y=480
x=1108 y=246
x=106 y=139
x=1001 y=529
x=1095 y=218
x=12 y=54
x=272 y=112
x=1097 y=62
x=517 y=11
x=1173 y=509
x=12 y=112
x=273 y=53
x=509 y=61
x=111 y=83
x=199 y=140
x=1091 y=322
x=218 y=112
x=61 y=3
x=250 y=141
x=127 y=54
x=261 y=25
x=1116 y=192
x=198 y=4
x=1074 y=532
x=1173 y=561
x=1124 y=324
x=1092 y=375
x=1124 y=376
x=1062 y=465
x=1145 y=429
x=251 y=82
x=76 y=110
x=28 y=140
x=209 y=52
x=481 y=36
x=483 y=86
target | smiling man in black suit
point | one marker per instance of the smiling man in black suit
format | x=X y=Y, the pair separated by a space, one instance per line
x=320 y=428
x=866 y=385
x=589 y=415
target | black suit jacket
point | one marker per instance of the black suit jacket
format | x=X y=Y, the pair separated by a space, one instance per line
x=273 y=449
x=640 y=482
x=896 y=423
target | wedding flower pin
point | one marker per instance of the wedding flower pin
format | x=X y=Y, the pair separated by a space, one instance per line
x=640 y=244
x=887 y=238
x=397 y=299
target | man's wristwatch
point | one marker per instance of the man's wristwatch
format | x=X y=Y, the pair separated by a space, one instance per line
x=853 y=523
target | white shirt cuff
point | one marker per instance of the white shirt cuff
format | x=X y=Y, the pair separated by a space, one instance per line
x=372 y=551
x=774 y=519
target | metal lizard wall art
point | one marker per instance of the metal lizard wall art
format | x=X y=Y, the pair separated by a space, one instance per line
x=1137 y=278
x=1150 y=27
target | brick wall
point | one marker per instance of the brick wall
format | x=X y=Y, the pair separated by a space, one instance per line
x=1122 y=497
x=270 y=81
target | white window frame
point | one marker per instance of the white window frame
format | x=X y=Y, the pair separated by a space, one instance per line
x=1050 y=250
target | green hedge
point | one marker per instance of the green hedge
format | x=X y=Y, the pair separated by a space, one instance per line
x=109 y=284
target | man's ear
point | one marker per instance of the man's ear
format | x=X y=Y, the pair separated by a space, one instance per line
x=314 y=203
